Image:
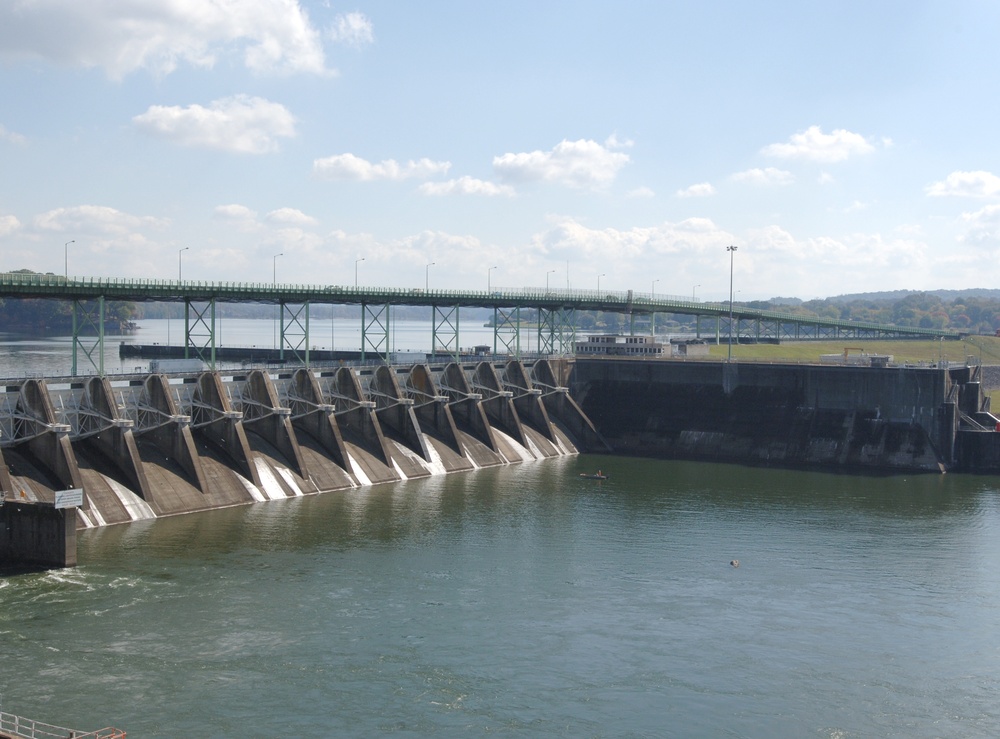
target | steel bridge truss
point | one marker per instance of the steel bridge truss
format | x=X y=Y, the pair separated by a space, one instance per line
x=199 y=333
x=556 y=330
x=88 y=333
x=375 y=330
x=295 y=332
x=507 y=331
x=444 y=330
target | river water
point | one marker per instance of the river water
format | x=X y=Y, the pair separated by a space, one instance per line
x=527 y=601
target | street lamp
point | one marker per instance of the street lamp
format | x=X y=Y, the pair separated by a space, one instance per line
x=427 y=276
x=732 y=252
x=694 y=293
x=66 y=257
x=274 y=282
x=274 y=268
x=488 y=286
x=359 y=259
x=652 y=313
x=599 y=281
x=547 y=280
x=179 y=252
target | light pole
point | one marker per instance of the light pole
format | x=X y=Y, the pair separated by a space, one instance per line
x=359 y=259
x=66 y=257
x=547 y=280
x=274 y=268
x=732 y=252
x=427 y=276
x=489 y=288
x=599 y=281
x=652 y=313
x=179 y=252
x=694 y=293
x=274 y=282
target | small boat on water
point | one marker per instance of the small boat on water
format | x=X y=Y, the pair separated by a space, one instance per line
x=599 y=476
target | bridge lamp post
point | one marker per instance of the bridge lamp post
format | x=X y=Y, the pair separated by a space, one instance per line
x=274 y=282
x=732 y=252
x=179 y=253
x=356 y=261
x=603 y=274
x=427 y=276
x=694 y=293
x=547 y=280
x=652 y=313
x=66 y=257
x=489 y=287
x=274 y=268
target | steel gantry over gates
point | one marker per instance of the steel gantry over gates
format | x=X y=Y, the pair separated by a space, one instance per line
x=548 y=314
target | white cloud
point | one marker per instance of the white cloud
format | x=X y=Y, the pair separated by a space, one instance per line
x=242 y=124
x=352 y=29
x=700 y=190
x=983 y=227
x=579 y=164
x=612 y=142
x=9 y=225
x=569 y=236
x=234 y=212
x=351 y=167
x=465 y=186
x=978 y=184
x=767 y=176
x=94 y=219
x=14 y=138
x=158 y=35
x=291 y=216
x=814 y=145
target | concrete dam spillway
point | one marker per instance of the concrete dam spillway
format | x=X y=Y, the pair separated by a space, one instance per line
x=156 y=446
x=150 y=446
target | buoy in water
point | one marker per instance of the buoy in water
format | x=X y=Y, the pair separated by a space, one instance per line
x=735 y=563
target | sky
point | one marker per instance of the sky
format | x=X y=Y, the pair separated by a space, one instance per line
x=842 y=148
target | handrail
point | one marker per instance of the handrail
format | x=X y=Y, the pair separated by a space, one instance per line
x=30 y=729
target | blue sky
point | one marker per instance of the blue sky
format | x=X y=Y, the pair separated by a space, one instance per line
x=842 y=147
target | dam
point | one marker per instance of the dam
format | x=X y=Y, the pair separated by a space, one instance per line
x=147 y=446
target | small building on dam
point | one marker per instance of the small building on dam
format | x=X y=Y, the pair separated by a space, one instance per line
x=141 y=447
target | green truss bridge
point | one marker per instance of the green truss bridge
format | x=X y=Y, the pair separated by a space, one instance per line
x=549 y=312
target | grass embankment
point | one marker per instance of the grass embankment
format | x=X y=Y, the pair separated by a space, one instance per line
x=984 y=349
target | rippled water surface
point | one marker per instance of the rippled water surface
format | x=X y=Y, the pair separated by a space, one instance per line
x=526 y=601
